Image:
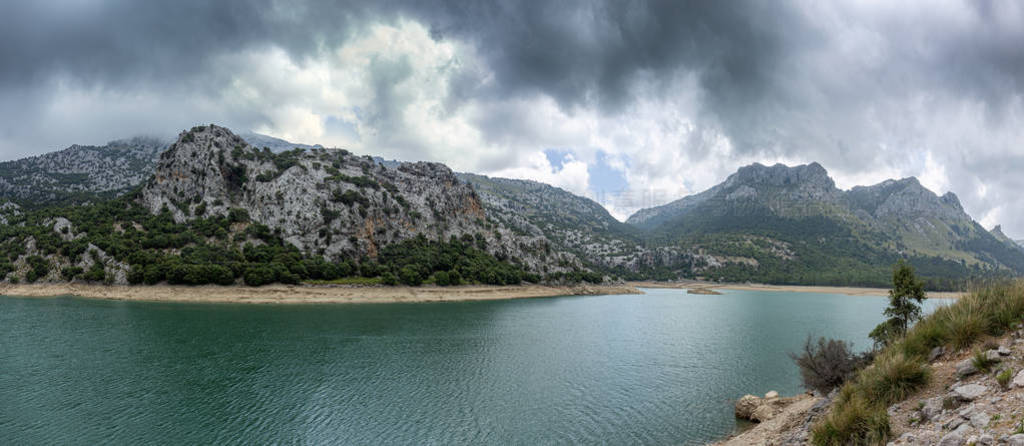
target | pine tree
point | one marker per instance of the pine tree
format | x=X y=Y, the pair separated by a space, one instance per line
x=904 y=308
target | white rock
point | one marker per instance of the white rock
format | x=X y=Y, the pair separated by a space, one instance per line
x=1015 y=440
x=770 y=395
x=969 y=392
x=980 y=419
x=963 y=429
x=952 y=439
x=993 y=355
x=966 y=367
x=1004 y=351
x=932 y=408
x=986 y=439
x=1018 y=381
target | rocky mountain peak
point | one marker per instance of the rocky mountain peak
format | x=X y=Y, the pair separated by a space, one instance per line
x=328 y=201
x=781 y=175
x=951 y=200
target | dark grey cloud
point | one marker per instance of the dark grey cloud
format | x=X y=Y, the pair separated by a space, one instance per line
x=857 y=87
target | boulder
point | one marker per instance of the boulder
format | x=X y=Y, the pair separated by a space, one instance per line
x=969 y=392
x=746 y=406
x=952 y=439
x=1018 y=381
x=936 y=353
x=986 y=439
x=932 y=408
x=771 y=395
x=1003 y=350
x=763 y=413
x=952 y=423
x=1015 y=440
x=993 y=355
x=980 y=419
x=965 y=368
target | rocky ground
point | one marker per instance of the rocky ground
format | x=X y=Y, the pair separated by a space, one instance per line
x=961 y=405
x=965 y=406
x=781 y=421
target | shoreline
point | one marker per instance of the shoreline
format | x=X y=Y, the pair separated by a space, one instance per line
x=278 y=294
x=849 y=291
x=300 y=294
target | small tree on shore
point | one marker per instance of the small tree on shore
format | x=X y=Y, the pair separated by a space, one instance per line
x=904 y=308
x=827 y=363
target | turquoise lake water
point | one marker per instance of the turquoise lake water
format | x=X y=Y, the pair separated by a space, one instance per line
x=661 y=368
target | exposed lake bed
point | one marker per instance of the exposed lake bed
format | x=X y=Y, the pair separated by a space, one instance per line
x=658 y=368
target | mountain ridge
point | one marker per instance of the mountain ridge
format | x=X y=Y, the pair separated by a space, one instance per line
x=774 y=224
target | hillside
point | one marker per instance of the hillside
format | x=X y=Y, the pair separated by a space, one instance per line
x=79 y=174
x=219 y=210
x=792 y=224
x=572 y=223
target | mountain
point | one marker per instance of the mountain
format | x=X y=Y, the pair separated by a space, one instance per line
x=275 y=145
x=779 y=224
x=218 y=210
x=79 y=174
x=570 y=222
x=774 y=224
x=83 y=174
x=322 y=201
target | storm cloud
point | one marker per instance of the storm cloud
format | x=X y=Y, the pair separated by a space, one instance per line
x=642 y=101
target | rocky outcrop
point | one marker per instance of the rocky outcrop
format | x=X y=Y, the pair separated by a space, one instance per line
x=789 y=422
x=759 y=410
x=330 y=202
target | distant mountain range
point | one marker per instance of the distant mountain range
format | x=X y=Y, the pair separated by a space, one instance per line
x=775 y=224
x=82 y=174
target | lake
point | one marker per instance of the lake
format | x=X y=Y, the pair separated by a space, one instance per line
x=661 y=368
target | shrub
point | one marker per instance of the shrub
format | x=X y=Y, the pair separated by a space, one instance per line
x=410 y=276
x=826 y=364
x=965 y=324
x=893 y=377
x=96 y=273
x=258 y=275
x=1004 y=377
x=981 y=361
x=71 y=272
x=441 y=278
x=853 y=420
x=40 y=268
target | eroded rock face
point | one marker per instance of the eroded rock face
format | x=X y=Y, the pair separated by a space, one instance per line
x=329 y=202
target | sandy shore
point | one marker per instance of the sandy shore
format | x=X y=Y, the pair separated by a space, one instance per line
x=308 y=293
x=849 y=291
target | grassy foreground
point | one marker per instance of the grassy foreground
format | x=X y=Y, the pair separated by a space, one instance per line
x=859 y=415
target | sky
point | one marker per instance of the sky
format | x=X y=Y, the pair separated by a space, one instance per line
x=631 y=103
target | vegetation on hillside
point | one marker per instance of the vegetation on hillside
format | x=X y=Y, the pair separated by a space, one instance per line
x=226 y=250
x=858 y=414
